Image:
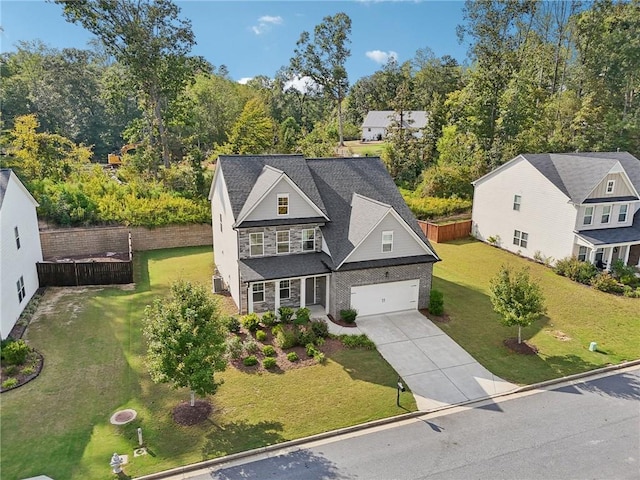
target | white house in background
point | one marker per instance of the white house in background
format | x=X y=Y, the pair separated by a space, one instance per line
x=560 y=205
x=20 y=249
x=376 y=124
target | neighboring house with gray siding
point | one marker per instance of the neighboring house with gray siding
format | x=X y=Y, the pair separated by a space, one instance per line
x=291 y=231
x=19 y=249
x=584 y=205
x=377 y=123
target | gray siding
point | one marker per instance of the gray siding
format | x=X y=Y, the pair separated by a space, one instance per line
x=620 y=188
x=299 y=207
x=404 y=244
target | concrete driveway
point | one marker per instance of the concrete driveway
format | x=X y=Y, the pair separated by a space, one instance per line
x=438 y=371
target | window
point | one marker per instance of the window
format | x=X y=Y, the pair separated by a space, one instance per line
x=283 y=204
x=606 y=214
x=387 y=241
x=282 y=241
x=622 y=214
x=308 y=240
x=220 y=222
x=17 y=234
x=582 y=254
x=258 y=292
x=610 y=186
x=21 y=292
x=285 y=288
x=256 y=244
x=520 y=238
x=588 y=216
x=516 y=202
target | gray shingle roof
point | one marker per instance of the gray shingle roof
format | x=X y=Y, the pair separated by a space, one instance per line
x=577 y=174
x=275 y=267
x=5 y=173
x=383 y=118
x=608 y=236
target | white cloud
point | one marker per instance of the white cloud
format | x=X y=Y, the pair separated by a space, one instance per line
x=265 y=23
x=302 y=84
x=244 y=80
x=381 y=57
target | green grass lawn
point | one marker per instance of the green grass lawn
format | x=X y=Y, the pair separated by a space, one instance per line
x=91 y=339
x=364 y=149
x=576 y=315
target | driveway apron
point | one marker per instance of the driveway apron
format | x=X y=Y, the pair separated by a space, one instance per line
x=438 y=371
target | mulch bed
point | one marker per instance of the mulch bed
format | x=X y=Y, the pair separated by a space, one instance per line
x=444 y=318
x=187 y=415
x=341 y=322
x=523 y=348
x=34 y=360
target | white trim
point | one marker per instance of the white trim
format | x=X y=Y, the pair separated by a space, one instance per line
x=387 y=233
x=278 y=242
x=626 y=212
x=610 y=188
x=282 y=196
x=251 y=245
x=584 y=215
x=313 y=230
x=517 y=202
x=608 y=214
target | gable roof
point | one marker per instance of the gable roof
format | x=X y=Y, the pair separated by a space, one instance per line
x=337 y=180
x=383 y=118
x=5 y=177
x=577 y=174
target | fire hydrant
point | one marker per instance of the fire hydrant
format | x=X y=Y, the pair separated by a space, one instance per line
x=116 y=463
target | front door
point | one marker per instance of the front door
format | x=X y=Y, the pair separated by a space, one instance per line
x=310 y=291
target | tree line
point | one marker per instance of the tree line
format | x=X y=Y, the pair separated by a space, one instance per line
x=540 y=77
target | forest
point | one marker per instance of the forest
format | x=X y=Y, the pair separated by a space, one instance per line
x=540 y=77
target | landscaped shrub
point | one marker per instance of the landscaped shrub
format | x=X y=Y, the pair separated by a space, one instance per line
x=302 y=316
x=576 y=270
x=425 y=208
x=630 y=292
x=250 y=361
x=261 y=335
x=292 y=357
x=311 y=349
x=232 y=324
x=436 y=302
x=349 y=315
x=268 y=351
x=625 y=274
x=320 y=328
x=28 y=370
x=285 y=314
x=9 y=383
x=251 y=347
x=15 y=353
x=11 y=370
x=319 y=357
x=234 y=347
x=606 y=283
x=269 y=319
x=286 y=338
x=251 y=322
x=269 y=363
x=306 y=335
x=357 y=341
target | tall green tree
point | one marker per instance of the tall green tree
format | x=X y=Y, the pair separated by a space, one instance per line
x=185 y=338
x=323 y=58
x=253 y=132
x=150 y=40
x=516 y=298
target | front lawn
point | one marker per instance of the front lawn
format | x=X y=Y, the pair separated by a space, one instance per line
x=91 y=339
x=576 y=315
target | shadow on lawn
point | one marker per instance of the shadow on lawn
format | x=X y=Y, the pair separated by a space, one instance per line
x=228 y=438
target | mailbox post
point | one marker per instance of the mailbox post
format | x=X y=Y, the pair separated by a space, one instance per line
x=400 y=389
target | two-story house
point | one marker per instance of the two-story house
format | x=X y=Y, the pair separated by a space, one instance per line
x=291 y=231
x=20 y=249
x=377 y=123
x=560 y=205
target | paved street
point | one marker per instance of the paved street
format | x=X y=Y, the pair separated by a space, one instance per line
x=580 y=430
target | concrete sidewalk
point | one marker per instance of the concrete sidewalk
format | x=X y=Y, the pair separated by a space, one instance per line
x=438 y=371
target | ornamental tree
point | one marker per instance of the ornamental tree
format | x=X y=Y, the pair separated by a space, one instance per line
x=186 y=339
x=516 y=298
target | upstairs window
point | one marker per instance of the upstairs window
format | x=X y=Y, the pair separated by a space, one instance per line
x=610 y=186
x=517 y=199
x=308 y=240
x=283 y=204
x=520 y=238
x=588 y=216
x=21 y=291
x=387 y=241
x=285 y=289
x=282 y=241
x=622 y=214
x=257 y=291
x=256 y=244
x=606 y=214
x=17 y=235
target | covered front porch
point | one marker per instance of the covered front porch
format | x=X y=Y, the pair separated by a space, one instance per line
x=603 y=256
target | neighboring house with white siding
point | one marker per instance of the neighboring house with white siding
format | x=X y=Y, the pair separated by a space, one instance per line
x=19 y=249
x=556 y=205
x=291 y=231
x=377 y=123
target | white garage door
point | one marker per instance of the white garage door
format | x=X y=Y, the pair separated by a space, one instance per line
x=385 y=297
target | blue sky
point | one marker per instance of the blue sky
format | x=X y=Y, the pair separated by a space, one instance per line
x=258 y=37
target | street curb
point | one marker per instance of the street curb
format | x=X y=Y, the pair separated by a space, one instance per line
x=375 y=423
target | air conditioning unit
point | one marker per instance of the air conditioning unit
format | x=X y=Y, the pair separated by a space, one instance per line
x=217 y=284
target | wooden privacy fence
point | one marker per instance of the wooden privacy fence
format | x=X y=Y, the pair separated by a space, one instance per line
x=69 y=274
x=444 y=233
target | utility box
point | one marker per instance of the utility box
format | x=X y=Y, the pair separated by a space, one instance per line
x=217 y=284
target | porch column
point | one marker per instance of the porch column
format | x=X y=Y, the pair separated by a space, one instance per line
x=276 y=285
x=250 y=298
x=609 y=257
x=327 y=289
x=591 y=255
x=303 y=292
x=626 y=253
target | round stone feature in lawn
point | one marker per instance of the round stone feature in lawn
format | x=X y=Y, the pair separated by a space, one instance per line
x=123 y=416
